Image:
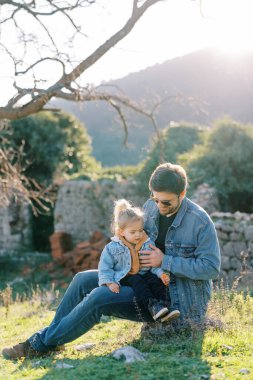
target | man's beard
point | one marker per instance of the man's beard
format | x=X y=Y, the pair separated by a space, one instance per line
x=171 y=210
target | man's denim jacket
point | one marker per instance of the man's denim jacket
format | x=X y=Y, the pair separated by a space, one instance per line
x=192 y=255
x=115 y=262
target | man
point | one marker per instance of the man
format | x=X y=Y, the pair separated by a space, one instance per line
x=186 y=241
x=186 y=248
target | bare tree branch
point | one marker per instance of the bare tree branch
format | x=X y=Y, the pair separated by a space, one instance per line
x=39 y=97
x=40 y=61
x=14 y=185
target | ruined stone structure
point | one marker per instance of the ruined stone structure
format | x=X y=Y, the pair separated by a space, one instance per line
x=84 y=206
x=15 y=227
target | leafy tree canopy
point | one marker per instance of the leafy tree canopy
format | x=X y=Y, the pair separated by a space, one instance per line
x=53 y=143
x=225 y=161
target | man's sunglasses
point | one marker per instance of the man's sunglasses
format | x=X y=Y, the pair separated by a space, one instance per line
x=164 y=203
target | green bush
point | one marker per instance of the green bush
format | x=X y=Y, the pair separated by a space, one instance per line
x=225 y=161
x=171 y=143
x=53 y=144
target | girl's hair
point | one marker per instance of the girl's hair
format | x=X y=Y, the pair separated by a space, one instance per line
x=124 y=214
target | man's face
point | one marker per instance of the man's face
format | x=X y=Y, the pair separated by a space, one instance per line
x=168 y=203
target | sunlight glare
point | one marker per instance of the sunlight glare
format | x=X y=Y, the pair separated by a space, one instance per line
x=233 y=24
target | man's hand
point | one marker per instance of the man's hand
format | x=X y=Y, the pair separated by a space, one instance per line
x=113 y=287
x=152 y=258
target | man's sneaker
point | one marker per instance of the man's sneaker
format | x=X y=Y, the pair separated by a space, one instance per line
x=170 y=316
x=157 y=308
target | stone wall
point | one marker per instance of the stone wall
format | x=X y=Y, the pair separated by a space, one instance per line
x=15 y=228
x=235 y=233
x=83 y=207
x=206 y=197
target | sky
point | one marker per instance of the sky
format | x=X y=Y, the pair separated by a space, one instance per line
x=169 y=29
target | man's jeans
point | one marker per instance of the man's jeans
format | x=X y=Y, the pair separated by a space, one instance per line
x=77 y=313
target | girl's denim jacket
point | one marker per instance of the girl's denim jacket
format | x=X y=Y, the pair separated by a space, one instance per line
x=192 y=255
x=115 y=262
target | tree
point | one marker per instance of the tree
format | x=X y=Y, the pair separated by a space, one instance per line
x=52 y=143
x=32 y=99
x=32 y=88
x=225 y=161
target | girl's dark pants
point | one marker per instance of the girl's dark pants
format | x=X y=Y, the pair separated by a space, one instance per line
x=146 y=286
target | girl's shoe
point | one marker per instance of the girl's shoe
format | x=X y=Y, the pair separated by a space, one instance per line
x=170 y=316
x=157 y=308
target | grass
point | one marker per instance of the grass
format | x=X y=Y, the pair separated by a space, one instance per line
x=216 y=352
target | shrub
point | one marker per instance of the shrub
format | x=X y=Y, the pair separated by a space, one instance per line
x=53 y=143
x=225 y=161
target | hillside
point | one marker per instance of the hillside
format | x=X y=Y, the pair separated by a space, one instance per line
x=219 y=85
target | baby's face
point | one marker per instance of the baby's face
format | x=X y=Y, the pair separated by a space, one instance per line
x=133 y=233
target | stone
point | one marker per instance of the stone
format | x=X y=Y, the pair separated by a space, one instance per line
x=217 y=215
x=239 y=215
x=206 y=197
x=251 y=248
x=230 y=348
x=222 y=236
x=130 y=354
x=248 y=232
x=235 y=263
x=239 y=247
x=235 y=236
x=245 y=371
x=85 y=346
x=228 y=249
x=64 y=366
x=218 y=225
x=227 y=228
x=225 y=262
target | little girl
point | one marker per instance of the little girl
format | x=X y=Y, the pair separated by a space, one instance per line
x=119 y=263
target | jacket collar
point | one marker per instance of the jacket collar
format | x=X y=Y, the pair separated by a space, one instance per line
x=181 y=212
x=124 y=242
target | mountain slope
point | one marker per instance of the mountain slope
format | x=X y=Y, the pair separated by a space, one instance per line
x=217 y=84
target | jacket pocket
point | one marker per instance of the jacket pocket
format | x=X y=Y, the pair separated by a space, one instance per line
x=185 y=250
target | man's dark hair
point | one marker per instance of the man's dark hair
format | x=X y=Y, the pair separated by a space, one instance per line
x=168 y=178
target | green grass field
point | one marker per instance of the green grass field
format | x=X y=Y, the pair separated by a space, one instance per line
x=214 y=353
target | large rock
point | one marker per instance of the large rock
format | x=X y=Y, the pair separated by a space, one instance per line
x=249 y=233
